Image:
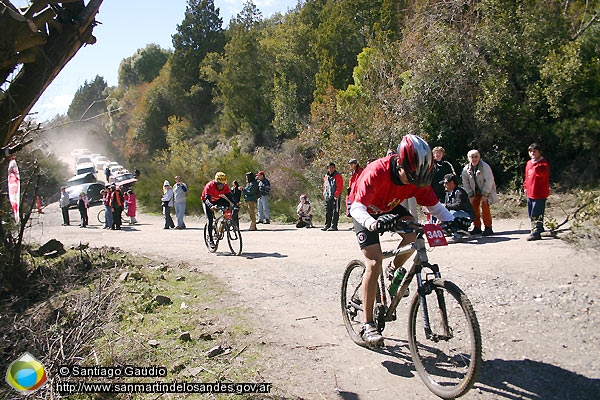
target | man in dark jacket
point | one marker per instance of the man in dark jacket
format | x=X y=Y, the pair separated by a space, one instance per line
x=264 y=187
x=457 y=200
x=333 y=184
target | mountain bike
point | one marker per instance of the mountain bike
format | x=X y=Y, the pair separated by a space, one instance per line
x=224 y=224
x=443 y=333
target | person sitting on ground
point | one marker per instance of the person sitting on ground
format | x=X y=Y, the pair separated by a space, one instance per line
x=304 y=211
x=457 y=201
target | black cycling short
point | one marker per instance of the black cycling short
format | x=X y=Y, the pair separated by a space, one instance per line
x=365 y=237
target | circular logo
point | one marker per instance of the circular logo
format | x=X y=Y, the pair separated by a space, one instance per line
x=362 y=237
x=26 y=374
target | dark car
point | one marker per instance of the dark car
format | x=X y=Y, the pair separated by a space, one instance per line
x=91 y=189
x=126 y=181
x=81 y=179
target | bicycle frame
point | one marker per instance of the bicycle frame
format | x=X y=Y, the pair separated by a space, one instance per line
x=420 y=261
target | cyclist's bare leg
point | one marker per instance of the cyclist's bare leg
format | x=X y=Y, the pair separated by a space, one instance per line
x=407 y=238
x=373 y=260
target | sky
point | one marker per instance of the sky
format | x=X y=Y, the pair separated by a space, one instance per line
x=126 y=26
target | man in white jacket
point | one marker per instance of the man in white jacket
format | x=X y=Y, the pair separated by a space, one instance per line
x=478 y=181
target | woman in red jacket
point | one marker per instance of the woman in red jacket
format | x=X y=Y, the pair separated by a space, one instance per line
x=537 y=189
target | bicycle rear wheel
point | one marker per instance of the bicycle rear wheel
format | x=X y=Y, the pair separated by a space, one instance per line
x=448 y=359
x=234 y=238
x=102 y=215
x=210 y=248
x=351 y=300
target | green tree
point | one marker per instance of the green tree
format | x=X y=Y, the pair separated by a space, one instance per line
x=244 y=81
x=143 y=66
x=200 y=33
x=89 y=100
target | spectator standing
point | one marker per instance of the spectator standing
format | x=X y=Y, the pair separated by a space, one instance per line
x=107 y=173
x=264 y=187
x=64 y=205
x=250 y=192
x=131 y=203
x=478 y=181
x=106 y=198
x=179 y=192
x=333 y=184
x=167 y=203
x=82 y=206
x=355 y=171
x=537 y=189
x=304 y=211
x=117 y=203
x=441 y=168
x=236 y=198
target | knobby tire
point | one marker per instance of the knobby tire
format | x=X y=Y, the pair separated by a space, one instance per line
x=449 y=363
x=234 y=238
x=210 y=248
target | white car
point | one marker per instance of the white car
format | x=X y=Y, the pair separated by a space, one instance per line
x=116 y=170
x=83 y=160
x=100 y=163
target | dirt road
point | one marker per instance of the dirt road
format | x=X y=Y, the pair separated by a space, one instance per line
x=537 y=303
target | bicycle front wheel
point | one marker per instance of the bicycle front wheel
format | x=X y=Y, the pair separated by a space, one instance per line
x=447 y=356
x=211 y=248
x=102 y=215
x=234 y=238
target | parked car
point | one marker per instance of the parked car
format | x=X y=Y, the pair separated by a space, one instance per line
x=85 y=168
x=116 y=170
x=126 y=181
x=78 y=152
x=83 y=159
x=88 y=177
x=100 y=163
x=91 y=189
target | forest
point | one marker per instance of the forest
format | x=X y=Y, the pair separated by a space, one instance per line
x=337 y=79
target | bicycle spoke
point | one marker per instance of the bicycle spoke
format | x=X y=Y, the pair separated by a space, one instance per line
x=351 y=300
x=448 y=360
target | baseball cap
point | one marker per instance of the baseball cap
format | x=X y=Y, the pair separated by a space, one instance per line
x=353 y=161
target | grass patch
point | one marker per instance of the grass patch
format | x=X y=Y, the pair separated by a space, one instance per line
x=102 y=307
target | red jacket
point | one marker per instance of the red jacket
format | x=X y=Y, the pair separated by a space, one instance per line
x=537 y=179
x=376 y=190
x=354 y=177
x=211 y=192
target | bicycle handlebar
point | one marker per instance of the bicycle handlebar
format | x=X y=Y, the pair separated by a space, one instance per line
x=402 y=226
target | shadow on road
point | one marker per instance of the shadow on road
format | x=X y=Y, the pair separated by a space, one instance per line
x=527 y=379
x=263 y=255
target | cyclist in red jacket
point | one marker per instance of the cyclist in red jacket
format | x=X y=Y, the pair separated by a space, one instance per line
x=215 y=193
x=376 y=199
